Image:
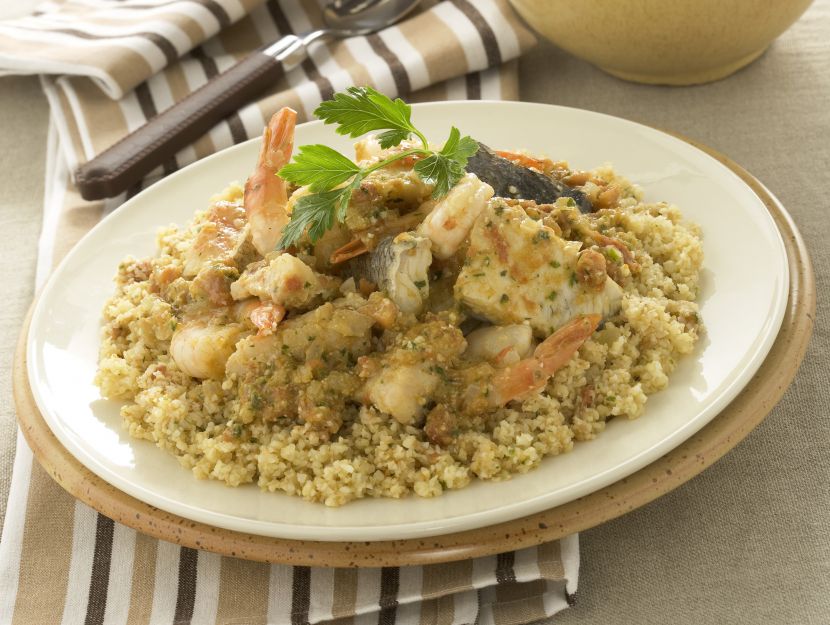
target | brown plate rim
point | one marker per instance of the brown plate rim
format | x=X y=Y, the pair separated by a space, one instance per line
x=744 y=413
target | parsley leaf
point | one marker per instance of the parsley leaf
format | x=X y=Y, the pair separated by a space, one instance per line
x=391 y=138
x=362 y=109
x=445 y=168
x=459 y=148
x=315 y=211
x=331 y=178
x=440 y=171
x=320 y=167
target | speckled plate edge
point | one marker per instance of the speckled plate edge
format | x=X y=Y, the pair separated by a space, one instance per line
x=745 y=412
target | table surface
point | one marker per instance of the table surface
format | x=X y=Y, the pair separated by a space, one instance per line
x=747 y=541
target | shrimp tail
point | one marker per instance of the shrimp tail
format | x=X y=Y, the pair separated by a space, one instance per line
x=350 y=250
x=278 y=139
x=530 y=375
x=266 y=196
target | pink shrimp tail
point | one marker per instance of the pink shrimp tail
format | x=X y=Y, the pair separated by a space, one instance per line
x=278 y=139
x=530 y=375
x=266 y=317
x=559 y=347
x=266 y=195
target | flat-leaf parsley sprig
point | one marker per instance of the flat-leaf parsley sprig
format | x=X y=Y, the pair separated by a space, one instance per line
x=332 y=178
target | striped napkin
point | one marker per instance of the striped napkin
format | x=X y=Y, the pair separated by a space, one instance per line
x=106 y=68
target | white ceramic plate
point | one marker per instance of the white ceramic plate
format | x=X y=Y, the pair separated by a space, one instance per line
x=745 y=285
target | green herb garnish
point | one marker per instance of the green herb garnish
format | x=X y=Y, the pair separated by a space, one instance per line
x=332 y=178
x=541 y=235
x=441 y=373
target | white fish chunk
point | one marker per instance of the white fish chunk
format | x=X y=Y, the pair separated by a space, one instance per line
x=399 y=266
x=518 y=270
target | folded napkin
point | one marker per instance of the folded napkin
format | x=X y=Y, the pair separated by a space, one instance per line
x=108 y=67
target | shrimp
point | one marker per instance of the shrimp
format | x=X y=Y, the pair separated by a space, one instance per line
x=499 y=344
x=402 y=381
x=201 y=350
x=530 y=375
x=402 y=391
x=201 y=347
x=265 y=317
x=452 y=218
x=221 y=239
x=266 y=195
x=285 y=280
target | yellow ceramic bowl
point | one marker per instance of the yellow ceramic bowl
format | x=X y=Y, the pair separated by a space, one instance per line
x=670 y=42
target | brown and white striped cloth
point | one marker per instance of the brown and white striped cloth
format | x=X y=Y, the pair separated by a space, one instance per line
x=108 y=67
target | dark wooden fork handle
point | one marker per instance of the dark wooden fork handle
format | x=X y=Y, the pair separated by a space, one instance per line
x=133 y=157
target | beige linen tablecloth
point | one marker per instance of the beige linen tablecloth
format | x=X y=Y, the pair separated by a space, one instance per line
x=748 y=541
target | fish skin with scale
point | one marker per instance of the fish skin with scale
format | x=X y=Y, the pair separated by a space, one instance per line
x=510 y=180
x=398 y=265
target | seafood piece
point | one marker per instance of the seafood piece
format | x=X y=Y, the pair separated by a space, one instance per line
x=398 y=266
x=518 y=270
x=327 y=328
x=303 y=369
x=266 y=195
x=383 y=197
x=213 y=284
x=402 y=391
x=387 y=202
x=401 y=381
x=285 y=280
x=501 y=344
x=511 y=180
x=344 y=323
x=264 y=317
x=368 y=239
x=332 y=328
x=449 y=222
x=204 y=340
x=387 y=189
x=530 y=375
x=221 y=240
x=201 y=349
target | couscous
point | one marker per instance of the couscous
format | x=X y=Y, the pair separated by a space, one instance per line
x=417 y=345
